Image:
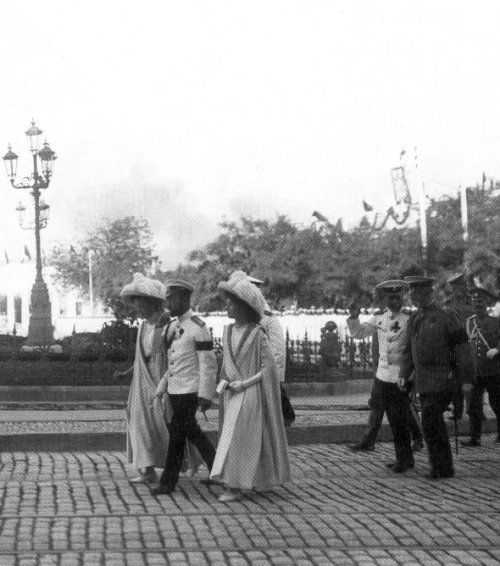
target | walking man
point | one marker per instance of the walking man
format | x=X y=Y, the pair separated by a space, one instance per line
x=429 y=357
x=484 y=333
x=386 y=396
x=189 y=380
x=460 y=304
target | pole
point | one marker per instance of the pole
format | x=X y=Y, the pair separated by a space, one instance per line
x=422 y=206
x=91 y=285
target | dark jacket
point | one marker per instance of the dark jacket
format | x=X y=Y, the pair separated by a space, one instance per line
x=489 y=328
x=430 y=350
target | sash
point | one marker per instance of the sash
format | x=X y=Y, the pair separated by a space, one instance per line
x=232 y=370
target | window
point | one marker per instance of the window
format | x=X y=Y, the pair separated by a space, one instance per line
x=18 y=309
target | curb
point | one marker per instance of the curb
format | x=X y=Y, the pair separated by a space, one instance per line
x=116 y=441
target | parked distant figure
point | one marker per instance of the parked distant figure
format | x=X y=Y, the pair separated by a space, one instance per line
x=483 y=331
x=329 y=346
x=252 y=450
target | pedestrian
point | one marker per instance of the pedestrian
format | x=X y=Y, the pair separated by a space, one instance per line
x=390 y=326
x=459 y=303
x=252 y=452
x=189 y=382
x=429 y=357
x=276 y=337
x=483 y=331
x=147 y=434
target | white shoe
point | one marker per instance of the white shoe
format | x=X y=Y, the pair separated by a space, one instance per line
x=149 y=477
x=231 y=495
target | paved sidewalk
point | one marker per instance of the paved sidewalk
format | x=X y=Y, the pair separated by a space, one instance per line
x=102 y=426
x=342 y=508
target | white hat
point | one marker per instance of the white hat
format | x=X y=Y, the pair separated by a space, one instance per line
x=241 y=287
x=143 y=286
x=242 y=274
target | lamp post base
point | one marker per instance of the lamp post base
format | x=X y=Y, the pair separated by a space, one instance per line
x=40 y=331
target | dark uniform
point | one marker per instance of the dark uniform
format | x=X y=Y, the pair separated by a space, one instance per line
x=460 y=305
x=484 y=334
x=430 y=356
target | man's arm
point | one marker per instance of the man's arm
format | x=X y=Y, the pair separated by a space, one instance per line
x=407 y=365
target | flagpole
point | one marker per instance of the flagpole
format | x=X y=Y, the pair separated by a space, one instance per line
x=421 y=208
x=91 y=285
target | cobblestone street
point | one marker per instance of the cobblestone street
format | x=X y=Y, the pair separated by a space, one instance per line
x=61 y=508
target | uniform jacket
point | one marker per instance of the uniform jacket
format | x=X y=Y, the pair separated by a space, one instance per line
x=192 y=365
x=431 y=347
x=276 y=338
x=489 y=328
x=391 y=329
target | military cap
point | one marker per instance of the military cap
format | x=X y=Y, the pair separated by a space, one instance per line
x=392 y=286
x=481 y=293
x=180 y=284
x=419 y=281
x=456 y=278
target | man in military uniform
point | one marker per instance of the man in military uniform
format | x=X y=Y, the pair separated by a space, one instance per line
x=459 y=303
x=484 y=333
x=189 y=380
x=390 y=326
x=429 y=357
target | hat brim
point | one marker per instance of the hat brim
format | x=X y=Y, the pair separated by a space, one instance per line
x=226 y=288
x=128 y=297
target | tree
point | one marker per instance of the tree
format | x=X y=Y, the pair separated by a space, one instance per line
x=119 y=249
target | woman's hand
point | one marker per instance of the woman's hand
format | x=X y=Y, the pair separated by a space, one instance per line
x=236 y=386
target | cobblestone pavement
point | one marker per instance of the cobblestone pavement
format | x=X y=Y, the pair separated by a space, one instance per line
x=342 y=508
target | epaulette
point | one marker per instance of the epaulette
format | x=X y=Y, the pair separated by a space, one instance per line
x=197 y=320
x=268 y=313
x=379 y=311
x=406 y=310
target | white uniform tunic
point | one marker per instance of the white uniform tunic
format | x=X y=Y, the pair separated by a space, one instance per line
x=192 y=365
x=392 y=330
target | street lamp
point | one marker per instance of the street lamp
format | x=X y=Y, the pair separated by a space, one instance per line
x=40 y=330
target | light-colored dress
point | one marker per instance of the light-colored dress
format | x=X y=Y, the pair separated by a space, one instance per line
x=252 y=451
x=147 y=417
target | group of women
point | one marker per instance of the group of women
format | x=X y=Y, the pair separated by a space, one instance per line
x=252 y=452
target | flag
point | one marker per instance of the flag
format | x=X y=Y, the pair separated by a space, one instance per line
x=320 y=216
x=367 y=207
x=27 y=252
x=403 y=152
x=6 y=256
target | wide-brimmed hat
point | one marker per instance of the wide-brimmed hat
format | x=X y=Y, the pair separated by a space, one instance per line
x=243 y=289
x=456 y=279
x=143 y=286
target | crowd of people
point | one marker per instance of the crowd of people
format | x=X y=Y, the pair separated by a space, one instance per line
x=432 y=357
x=447 y=356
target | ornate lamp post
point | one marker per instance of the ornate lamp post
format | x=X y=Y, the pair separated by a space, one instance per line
x=40 y=330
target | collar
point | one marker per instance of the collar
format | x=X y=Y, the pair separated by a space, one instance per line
x=186 y=316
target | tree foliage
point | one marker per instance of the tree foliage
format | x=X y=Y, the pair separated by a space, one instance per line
x=118 y=248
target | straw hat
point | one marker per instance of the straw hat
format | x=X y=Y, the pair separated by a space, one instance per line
x=143 y=286
x=241 y=287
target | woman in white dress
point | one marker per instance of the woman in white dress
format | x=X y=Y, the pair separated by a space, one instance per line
x=252 y=452
x=147 y=433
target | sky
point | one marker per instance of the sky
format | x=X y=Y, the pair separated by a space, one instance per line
x=190 y=113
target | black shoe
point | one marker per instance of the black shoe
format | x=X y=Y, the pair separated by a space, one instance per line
x=470 y=443
x=362 y=447
x=417 y=445
x=401 y=467
x=162 y=489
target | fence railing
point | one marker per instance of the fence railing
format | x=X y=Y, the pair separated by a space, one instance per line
x=116 y=344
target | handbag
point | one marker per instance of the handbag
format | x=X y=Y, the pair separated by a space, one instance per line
x=286 y=407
